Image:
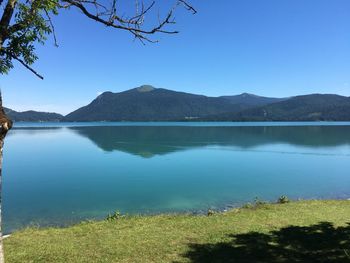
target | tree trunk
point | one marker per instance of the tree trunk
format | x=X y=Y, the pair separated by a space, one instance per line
x=5 y=126
x=2 y=260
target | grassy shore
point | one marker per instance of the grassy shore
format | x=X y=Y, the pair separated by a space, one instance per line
x=304 y=231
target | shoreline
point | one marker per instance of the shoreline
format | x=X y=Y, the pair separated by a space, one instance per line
x=174 y=238
x=227 y=208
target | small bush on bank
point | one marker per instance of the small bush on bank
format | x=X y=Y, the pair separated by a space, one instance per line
x=210 y=212
x=283 y=200
x=115 y=216
x=247 y=205
x=259 y=202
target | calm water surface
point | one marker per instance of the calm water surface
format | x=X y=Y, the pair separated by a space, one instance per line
x=58 y=174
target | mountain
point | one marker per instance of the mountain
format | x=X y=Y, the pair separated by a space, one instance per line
x=314 y=107
x=147 y=103
x=247 y=100
x=32 y=116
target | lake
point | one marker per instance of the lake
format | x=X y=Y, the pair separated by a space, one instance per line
x=62 y=173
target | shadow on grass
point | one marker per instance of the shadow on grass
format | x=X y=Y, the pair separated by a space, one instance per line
x=316 y=243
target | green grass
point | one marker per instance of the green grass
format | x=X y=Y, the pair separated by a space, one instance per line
x=304 y=231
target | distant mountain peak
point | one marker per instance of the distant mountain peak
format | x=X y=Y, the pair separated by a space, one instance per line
x=106 y=93
x=145 y=88
x=245 y=94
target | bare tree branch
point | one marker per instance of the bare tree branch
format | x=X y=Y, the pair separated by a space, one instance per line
x=52 y=27
x=188 y=6
x=26 y=65
x=109 y=17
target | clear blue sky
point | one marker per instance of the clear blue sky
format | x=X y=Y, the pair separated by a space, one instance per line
x=267 y=47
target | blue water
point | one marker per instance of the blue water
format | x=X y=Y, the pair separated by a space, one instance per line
x=58 y=174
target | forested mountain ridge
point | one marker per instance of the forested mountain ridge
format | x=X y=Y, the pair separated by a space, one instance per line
x=314 y=107
x=252 y=100
x=32 y=116
x=147 y=103
x=150 y=104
